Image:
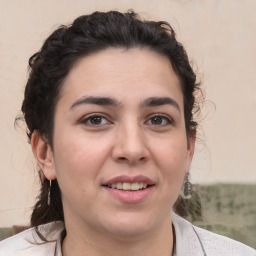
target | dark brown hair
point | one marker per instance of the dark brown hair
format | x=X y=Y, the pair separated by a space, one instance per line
x=63 y=48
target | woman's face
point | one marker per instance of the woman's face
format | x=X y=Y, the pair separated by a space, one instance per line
x=120 y=149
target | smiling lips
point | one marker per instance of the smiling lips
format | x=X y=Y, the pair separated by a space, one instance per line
x=125 y=182
x=129 y=189
x=129 y=186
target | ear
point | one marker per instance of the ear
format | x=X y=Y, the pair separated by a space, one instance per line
x=43 y=154
x=190 y=150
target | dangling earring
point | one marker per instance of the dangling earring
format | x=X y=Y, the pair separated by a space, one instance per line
x=187 y=189
x=49 y=194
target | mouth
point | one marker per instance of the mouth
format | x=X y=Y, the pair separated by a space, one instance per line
x=129 y=183
x=126 y=186
x=130 y=189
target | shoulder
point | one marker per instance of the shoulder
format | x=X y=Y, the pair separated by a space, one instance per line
x=222 y=246
x=29 y=243
x=192 y=240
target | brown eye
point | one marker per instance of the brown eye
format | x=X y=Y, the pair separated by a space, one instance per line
x=159 y=120
x=95 y=120
x=156 y=120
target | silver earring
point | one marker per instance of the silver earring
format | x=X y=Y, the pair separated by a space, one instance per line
x=49 y=194
x=187 y=189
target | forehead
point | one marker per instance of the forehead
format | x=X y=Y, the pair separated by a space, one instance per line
x=119 y=71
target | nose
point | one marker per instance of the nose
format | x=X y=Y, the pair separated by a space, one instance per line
x=130 y=145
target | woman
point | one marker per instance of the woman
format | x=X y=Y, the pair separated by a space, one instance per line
x=109 y=110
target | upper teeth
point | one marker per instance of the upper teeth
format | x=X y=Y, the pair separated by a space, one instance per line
x=129 y=186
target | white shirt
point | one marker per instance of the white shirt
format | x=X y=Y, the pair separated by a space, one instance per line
x=190 y=241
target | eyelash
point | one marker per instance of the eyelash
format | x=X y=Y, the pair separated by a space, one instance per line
x=95 y=115
x=87 y=119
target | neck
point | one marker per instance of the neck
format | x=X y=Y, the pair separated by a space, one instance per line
x=157 y=242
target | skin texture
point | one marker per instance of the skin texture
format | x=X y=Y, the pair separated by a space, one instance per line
x=124 y=139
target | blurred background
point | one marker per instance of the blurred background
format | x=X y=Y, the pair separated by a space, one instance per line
x=220 y=38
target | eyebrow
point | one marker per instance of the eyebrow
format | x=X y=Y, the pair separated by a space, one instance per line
x=107 y=101
x=101 y=101
x=160 y=101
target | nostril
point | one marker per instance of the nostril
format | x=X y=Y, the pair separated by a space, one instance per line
x=122 y=158
x=142 y=159
x=132 y=160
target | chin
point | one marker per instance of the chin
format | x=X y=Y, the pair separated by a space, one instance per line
x=129 y=232
x=131 y=227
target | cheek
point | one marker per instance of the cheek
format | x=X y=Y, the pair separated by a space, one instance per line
x=171 y=158
x=171 y=154
x=76 y=172
x=78 y=159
